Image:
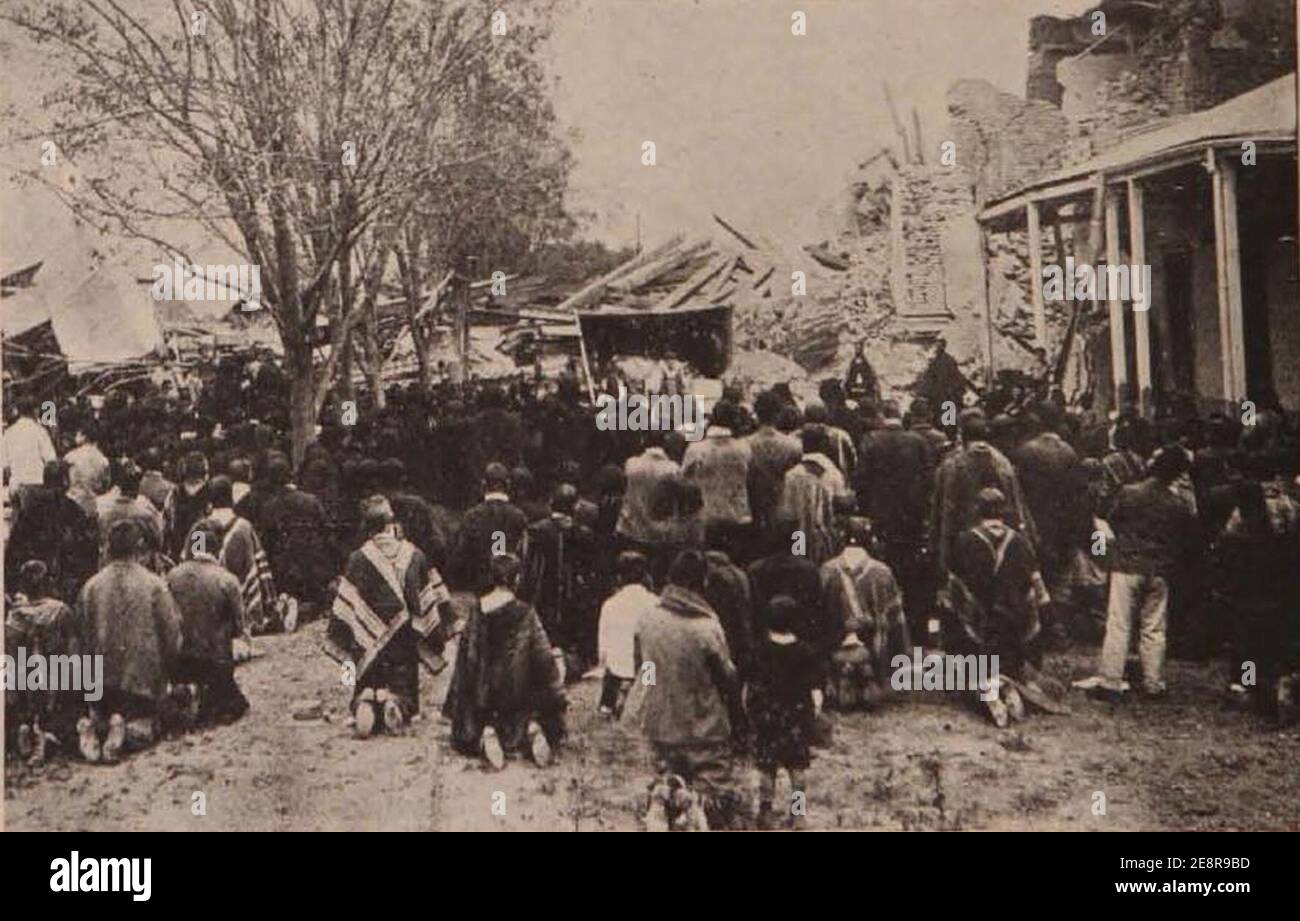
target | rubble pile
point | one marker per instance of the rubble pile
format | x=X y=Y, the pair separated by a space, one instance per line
x=1130 y=100
x=740 y=269
x=1002 y=141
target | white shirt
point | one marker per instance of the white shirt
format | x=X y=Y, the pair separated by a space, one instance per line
x=619 y=616
x=27 y=447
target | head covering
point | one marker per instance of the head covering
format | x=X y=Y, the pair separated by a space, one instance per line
x=504 y=569
x=991 y=502
x=376 y=513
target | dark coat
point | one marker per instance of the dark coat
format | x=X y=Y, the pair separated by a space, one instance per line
x=295 y=533
x=1154 y=529
x=558 y=578
x=505 y=675
x=957 y=486
x=894 y=478
x=211 y=607
x=53 y=528
x=1056 y=492
x=771 y=454
x=472 y=554
x=727 y=591
x=783 y=573
x=420 y=526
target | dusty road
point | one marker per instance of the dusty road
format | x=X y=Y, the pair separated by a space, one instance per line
x=1191 y=762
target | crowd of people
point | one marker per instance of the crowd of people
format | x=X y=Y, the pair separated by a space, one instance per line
x=728 y=590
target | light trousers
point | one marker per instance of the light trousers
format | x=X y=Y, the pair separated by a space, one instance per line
x=1149 y=597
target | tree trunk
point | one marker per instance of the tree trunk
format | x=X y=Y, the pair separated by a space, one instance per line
x=302 y=400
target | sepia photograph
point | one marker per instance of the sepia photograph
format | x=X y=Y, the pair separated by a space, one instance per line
x=652 y=415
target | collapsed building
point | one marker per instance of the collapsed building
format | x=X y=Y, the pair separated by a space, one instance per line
x=1173 y=149
x=1150 y=133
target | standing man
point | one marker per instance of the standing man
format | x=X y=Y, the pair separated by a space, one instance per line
x=861 y=383
x=942 y=381
x=772 y=453
x=895 y=478
x=719 y=464
x=27 y=448
x=88 y=468
x=1154 y=532
x=1056 y=493
x=808 y=496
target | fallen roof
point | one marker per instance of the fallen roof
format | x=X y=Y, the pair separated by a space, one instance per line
x=107 y=318
x=1264 y=114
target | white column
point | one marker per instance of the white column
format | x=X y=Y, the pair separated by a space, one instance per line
x=1118 y=350
x=1141 y=318
x=1227 y=272
x=1232 y=267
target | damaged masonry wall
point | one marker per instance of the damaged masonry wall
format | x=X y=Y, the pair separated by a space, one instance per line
x=909 y=237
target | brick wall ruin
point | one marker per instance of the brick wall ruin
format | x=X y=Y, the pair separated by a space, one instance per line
x=909 y=232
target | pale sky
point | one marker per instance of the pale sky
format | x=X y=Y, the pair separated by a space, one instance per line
x=750 y=120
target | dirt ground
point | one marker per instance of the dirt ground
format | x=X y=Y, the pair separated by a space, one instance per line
x=1193 y=761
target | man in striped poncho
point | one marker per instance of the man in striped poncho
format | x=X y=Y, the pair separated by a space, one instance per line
x=384 y=622
x=241 y=552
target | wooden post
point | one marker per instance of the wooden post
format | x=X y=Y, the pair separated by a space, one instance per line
x=586 y=366
x=1118 y=348
x=988 y=307
x=1036 y=273
x=1141 y=313
x=1232 y=268
x=1227 y=353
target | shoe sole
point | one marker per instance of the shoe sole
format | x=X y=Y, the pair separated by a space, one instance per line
x=541 y=749
x=365 y=719
x=493 y=754
x=112 y=750
x=393 y=719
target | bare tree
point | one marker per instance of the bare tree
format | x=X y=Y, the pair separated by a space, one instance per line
x=288 y=129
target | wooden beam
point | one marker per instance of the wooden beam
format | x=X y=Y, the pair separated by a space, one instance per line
x=670 y=262
x=987 y=305
x=1226 y=356
x=692 y=285
x=1118 y=348
x=1035 y=232
x=1232 y=267
x=595 y=290
x=586 y=365
x=750 y=244
x=898 y=124
x=1141 y=312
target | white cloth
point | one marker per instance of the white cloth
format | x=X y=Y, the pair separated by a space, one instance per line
x=27 y=447
x=619 y=616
